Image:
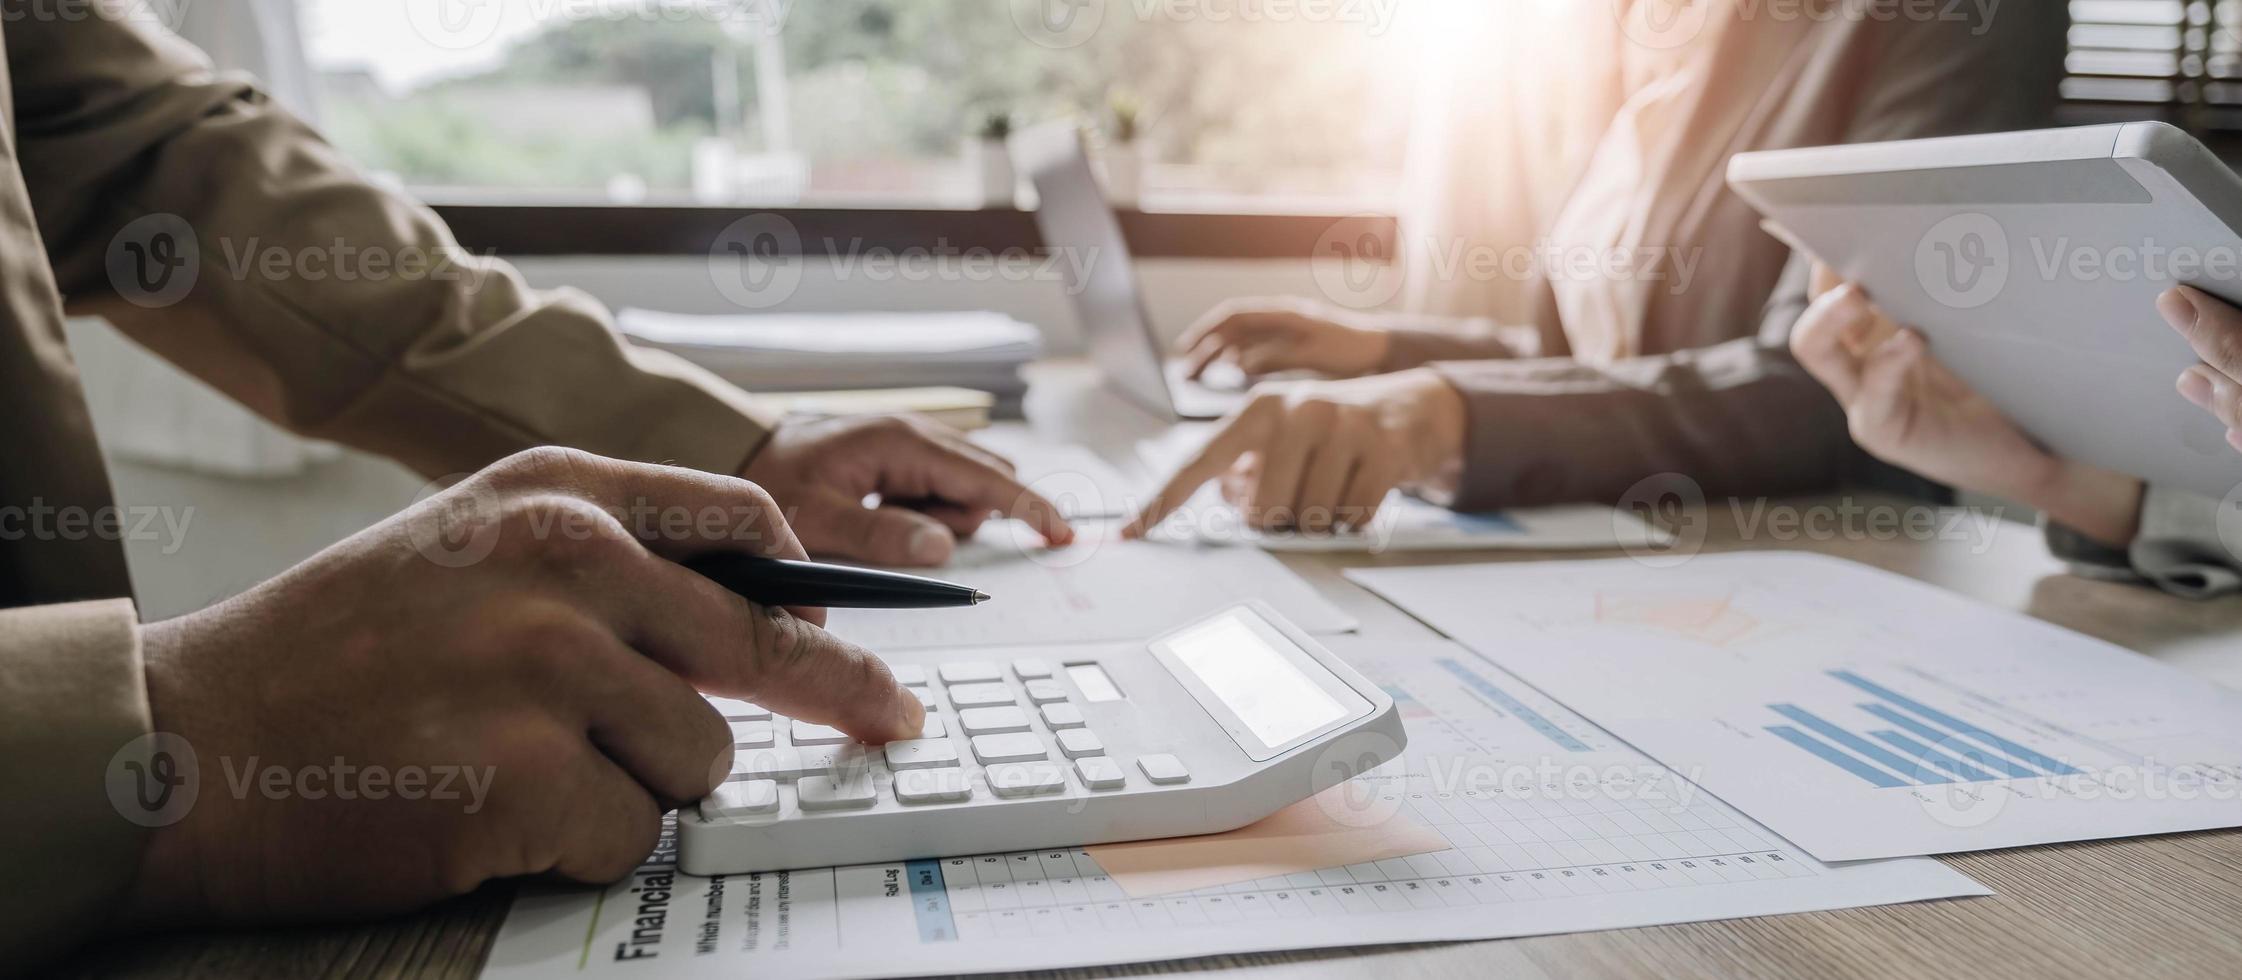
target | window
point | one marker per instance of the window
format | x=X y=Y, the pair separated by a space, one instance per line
x=1239 y=104
x=2132 y=59
x=2175 y=60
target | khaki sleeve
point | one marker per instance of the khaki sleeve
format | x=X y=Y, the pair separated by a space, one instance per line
x=71 y=697
x=222 y=233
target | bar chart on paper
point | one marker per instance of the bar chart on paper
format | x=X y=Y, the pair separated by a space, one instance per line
x=1899 y=740
x=1857 y=713
x=1553 y=826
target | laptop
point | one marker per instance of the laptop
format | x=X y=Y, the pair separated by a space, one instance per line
x=1075 y=216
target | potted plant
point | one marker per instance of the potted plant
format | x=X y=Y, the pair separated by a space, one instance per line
x=1125 y=151
x=989 y=160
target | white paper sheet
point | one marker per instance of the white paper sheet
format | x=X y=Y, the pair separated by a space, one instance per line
x=1081 y=482
x=1557 y=828
x=1100 y=590
x=1406 y=524
x=1858 y=713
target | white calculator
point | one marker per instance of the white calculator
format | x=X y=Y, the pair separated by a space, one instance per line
x=1206 y=729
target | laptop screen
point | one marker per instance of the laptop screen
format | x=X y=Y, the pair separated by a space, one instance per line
x=1075 y=217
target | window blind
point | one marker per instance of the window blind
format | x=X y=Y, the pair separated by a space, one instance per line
x=2179 y=61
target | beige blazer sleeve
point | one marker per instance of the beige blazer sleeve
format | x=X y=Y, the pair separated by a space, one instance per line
x=372 y=327
x=73 y=697
x=1741 y=417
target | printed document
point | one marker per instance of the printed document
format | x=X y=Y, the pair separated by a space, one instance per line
x=1100 y=590
x=1857 y=713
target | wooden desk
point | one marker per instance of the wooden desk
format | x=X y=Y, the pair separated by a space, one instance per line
x=2168 y=906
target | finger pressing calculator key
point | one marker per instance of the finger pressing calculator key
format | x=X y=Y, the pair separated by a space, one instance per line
x=1070 y=746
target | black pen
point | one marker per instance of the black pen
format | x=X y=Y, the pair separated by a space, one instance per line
x=784 y=582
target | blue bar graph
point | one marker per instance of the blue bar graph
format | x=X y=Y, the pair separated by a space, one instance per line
x=1927 y=754
x=1956 y=725
x=1873 y=751
x=1948 y=742
x=1533 y=719
x=1836 y=757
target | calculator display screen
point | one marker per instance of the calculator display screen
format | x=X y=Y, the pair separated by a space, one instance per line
x=1250 y=675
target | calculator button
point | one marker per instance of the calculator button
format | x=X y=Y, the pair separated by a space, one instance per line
x=841 y=791
x=1074 y=743
x=970 y=672
x=739 y=710
x=1025 y=779
x=751 y=734
x=1015 y=747
x=1099 y=772
x=805 y=733
x=1045 y=692
x=837 y=758
x=1164 y=770
x=926 y=698
x=767 y=764
x=787 y=764
x=921 y=753
x=978 y=695
x=1060 y=716
x=1030 y=669
x=908 y=675
x=988 y=721
x=741 y=798
x=915 y=786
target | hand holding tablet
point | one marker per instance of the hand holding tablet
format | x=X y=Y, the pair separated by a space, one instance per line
x=2033 y=264
x=2214 y=328
x=1905 y=407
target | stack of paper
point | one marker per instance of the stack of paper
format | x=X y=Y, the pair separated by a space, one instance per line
x=959 y=408
x=819 y=352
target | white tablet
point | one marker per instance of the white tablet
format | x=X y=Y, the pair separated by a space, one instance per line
x=2032 y=262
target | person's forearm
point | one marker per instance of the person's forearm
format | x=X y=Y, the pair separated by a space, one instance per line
x=1414 y=341
x=1738 y=418
x=2100 y=504
x=329 y=304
